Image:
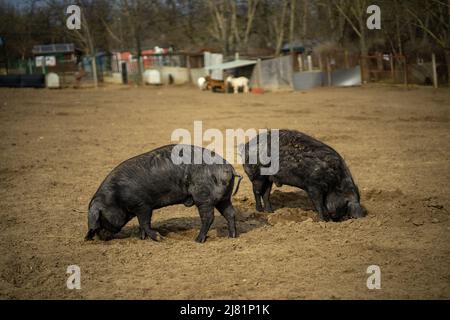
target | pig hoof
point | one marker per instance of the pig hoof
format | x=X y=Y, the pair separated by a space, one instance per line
x=259 y=209
x=156 y=237
x=269 y=210
x=143 y=235
x=200 y=239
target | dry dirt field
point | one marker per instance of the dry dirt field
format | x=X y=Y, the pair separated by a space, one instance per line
x=57 y=146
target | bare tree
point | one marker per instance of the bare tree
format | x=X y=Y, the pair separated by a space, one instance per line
x=355 y=10
x=251 y=11
x=440 y=13
x=305 y=18
x=232 y=31
x=292 y=25
x=133 y=10
x=242 y=36
x=279 y=26
x=220 y=13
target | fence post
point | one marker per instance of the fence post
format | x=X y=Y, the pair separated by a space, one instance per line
x=30 y=66
x=258 y=65
x=188 y=65
x=379 y=66
x=406 y=71
x=361 y=67
x=300 y=62
x=94 y=70
x=328 y=71
x=310 y=64
x=391 y=61
x=293 y=62
x=433 y=62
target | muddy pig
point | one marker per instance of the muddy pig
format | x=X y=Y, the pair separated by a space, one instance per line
x=153 y=180
x=308 y=164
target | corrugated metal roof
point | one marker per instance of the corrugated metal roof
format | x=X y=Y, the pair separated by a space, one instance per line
x=231 y=65
x=53 y=48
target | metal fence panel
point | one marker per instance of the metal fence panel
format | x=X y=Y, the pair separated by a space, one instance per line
x=273 y=74
x=308 y=80
x=346 y=77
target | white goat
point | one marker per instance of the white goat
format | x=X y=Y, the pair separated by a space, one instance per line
x=202 y=83
x=238 y=82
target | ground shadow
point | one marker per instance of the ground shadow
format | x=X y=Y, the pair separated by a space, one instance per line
x=300 y=200
x=189 y=227
x=293 y=199
x=247 y=218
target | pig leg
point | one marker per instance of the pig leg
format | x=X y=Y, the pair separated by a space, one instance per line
x=227 y=210
x=257 y=186
x=266 y=197
x=144 y=218
x=207 y=217
x=317 y=199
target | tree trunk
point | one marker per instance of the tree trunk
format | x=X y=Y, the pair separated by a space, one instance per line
x=363 y=48
x=226 y=43
x=292 y=26
x=235 y=37
x=447 y=51
x=397 y=30
x=138 y=54
x=305 y=19
x=252 y=5
x=280 y=28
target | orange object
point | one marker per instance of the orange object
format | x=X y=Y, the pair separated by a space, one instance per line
x=258 y=90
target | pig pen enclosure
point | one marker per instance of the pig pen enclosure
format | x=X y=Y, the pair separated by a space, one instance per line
x=57 y=147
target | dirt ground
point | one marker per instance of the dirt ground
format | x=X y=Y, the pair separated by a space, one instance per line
x=57 y=146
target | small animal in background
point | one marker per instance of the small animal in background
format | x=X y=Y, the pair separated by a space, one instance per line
x=202 y=83
x=171 y=79
x=236 y=83
x=308 y=164
x=140 y=185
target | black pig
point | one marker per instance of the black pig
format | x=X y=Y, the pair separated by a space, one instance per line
x=151 y=181
x=311 y=165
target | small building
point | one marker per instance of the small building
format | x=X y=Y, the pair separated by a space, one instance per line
x=174 y=67
x=57 y=57
x=236 y=68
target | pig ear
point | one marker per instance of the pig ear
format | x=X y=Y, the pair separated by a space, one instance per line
x=93 y=220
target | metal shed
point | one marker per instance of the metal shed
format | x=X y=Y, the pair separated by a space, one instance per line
x=236 y=64
x=231 y=65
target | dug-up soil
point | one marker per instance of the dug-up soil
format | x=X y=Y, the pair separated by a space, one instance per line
x=57 y=146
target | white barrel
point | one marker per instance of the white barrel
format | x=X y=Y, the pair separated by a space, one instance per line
x=52 y=80
x=152 y=77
